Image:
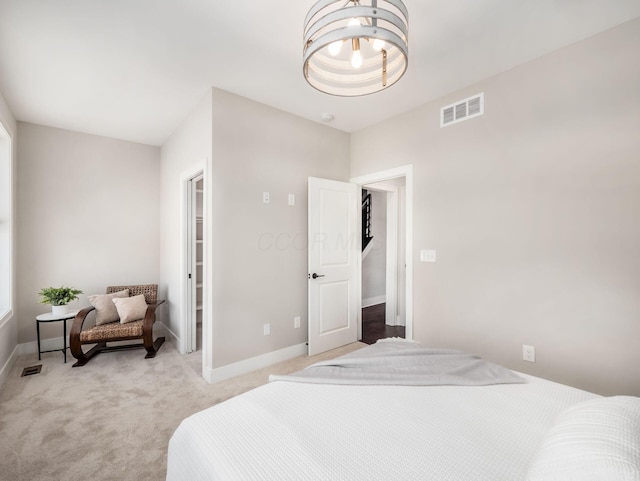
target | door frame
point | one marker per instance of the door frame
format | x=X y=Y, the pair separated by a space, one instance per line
x=405 y=171
x=198 y=170
x=392 y=248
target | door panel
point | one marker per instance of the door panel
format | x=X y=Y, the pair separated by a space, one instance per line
x=334 y=258
x=333 y=301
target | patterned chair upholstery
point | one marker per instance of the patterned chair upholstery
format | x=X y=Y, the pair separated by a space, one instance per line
x=114 y=331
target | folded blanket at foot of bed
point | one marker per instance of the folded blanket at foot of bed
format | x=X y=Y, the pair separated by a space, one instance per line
x=405 y=363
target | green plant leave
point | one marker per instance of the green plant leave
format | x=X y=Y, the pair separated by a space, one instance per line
x=58 y=296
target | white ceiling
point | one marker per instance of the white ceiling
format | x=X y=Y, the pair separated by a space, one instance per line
x=134 y=69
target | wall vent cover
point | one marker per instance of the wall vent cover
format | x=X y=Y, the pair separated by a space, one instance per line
x=462 y=110
x=31 y=370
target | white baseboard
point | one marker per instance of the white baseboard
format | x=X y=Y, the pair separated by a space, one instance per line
x=45 y=345
x=6 y=369
x=162 y=330
x=373 y=301
x=254 y=363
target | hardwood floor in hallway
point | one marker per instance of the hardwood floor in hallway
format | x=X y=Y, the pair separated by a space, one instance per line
x=374 y=327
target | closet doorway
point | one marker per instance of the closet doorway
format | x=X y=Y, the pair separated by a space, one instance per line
x=194 y=282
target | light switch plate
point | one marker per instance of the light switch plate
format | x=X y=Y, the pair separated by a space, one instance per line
x=427 y=256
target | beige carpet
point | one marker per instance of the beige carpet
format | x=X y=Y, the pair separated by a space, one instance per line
x=111 y=419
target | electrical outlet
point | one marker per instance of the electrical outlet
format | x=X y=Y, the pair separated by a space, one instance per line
x=266 y=329
x=266 y=197
x=292 y=199
x=528 y=353
x=296 y=322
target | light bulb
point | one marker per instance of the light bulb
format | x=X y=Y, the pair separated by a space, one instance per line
x=335 y=47
x=378 y=45
x=356 y=59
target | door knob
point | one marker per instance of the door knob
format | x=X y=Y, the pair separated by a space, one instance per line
x=315 y=276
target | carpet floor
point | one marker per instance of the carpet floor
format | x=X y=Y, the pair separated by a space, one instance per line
x=111 y=419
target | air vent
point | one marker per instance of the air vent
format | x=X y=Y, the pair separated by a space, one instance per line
x=31 y=370
x=462 y=110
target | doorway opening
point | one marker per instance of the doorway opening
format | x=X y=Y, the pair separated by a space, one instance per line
x=194 y=269
x=386 y=270
x=383 y=260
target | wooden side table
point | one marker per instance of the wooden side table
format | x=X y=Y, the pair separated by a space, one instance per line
x=49 y=317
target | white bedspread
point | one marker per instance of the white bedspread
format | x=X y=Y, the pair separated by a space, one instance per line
x=294 y=431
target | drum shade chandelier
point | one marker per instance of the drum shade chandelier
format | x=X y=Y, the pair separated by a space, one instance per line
x=355 y=47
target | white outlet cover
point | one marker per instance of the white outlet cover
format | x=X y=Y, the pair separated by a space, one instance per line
x=296 y=322
x=266 y=329
x=292 y=199
x=528 y=353
x=266 y=198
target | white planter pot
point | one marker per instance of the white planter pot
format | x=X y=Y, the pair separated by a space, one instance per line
x=59 y=310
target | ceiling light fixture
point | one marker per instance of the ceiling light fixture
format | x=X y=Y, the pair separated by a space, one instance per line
x=355 y=48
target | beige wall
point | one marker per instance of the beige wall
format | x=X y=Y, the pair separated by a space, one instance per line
x=88 y=216
x=9 y=324
x=374 y=265
x=533 y=209
x=186 y=149
x=259 y=250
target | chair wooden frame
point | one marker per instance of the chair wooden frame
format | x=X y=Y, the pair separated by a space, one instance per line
x=75 y=343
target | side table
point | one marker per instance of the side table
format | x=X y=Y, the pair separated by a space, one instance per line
x=49 y=317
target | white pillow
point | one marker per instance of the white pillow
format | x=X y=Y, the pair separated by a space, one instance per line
x=130 y=308
x=594 y=440
x=105 y=310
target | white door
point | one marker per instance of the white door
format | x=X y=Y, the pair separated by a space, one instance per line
x=334 y=263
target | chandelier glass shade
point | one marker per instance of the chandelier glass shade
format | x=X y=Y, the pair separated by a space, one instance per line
x=355 y=47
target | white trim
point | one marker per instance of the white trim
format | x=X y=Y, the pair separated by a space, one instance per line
x=252 y=364
x=11 y=216
x=45 y=344
x=6 y=317
x=373 y=301
x=405 y=171
x=207 y=269
x=164 y=330
x=369 y=247
x=391 y=268
x=187 y=307
x=204 y=169
x=187 y=341
x=391 y=264
x=6 y=369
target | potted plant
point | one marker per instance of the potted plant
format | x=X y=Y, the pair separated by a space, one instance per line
x=58 y=297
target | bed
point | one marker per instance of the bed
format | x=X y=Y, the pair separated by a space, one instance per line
x=292 y=429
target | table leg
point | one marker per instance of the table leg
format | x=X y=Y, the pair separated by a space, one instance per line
x=38 y=329
x=64 y=339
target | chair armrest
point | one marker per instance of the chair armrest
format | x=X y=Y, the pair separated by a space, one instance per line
x=150 y=315
x=76 y=328
x=78 y=321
